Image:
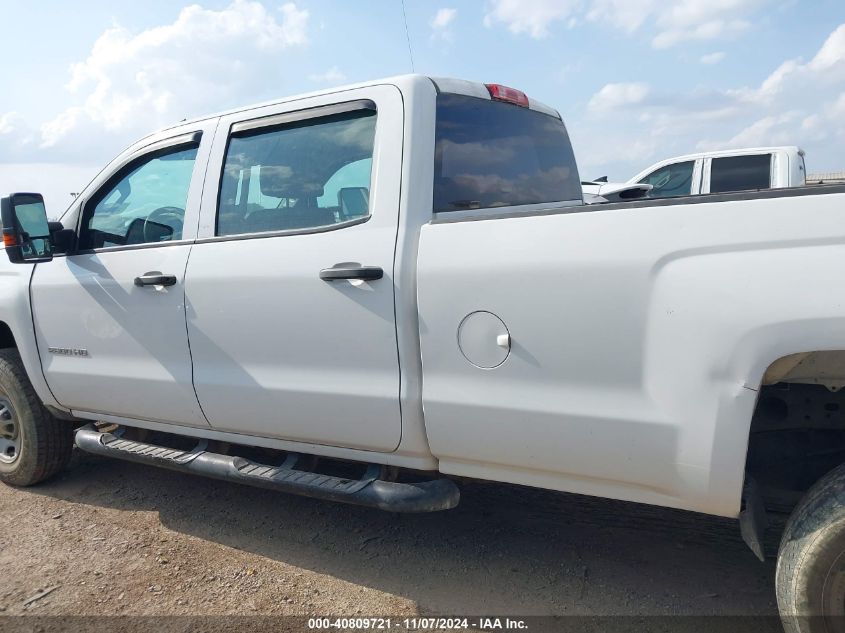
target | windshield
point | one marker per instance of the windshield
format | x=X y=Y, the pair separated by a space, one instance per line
x=494 y=154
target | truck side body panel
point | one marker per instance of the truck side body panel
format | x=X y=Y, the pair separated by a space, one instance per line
x=639 y=338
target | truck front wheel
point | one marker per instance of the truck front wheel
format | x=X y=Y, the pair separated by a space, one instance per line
x=810 y=577
x=33 y=444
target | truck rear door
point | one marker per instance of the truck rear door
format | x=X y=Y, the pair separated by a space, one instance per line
x=290 y=286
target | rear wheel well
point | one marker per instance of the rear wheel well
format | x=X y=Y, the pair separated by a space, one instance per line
x=7 y=339
x=798 y=428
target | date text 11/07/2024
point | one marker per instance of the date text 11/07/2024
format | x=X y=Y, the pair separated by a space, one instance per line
x=416 y=624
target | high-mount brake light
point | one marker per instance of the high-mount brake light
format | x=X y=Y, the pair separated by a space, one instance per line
x=508 y=95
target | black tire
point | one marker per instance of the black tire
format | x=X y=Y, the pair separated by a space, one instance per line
x=810 y=576
x=35 y=444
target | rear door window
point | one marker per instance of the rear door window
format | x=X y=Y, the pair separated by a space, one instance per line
x=494 y=154
x=740 y=173
x=301 y=176
x=671 y=180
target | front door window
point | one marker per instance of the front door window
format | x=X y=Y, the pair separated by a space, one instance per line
x=144 y=203
x=671 y=180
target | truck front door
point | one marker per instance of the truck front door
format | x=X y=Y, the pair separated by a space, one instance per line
x=110 y=316
x=290 y=291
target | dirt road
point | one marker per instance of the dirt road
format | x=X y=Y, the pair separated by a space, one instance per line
x=118 y=538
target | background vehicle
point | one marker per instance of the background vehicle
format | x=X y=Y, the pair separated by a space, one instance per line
x=753 y=168
x=725 y=171
x=597 y=191
x=402 y=275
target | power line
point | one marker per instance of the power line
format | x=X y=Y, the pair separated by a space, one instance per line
x=408 y=37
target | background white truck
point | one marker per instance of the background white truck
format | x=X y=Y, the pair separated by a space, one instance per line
x=352 y=294
x=725 y=171
x=710 y=172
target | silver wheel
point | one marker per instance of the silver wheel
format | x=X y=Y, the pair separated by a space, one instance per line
x=10 y=437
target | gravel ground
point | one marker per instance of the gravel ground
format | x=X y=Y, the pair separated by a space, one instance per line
x=114 y=538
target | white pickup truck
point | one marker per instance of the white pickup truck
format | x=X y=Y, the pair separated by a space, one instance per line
x=706 y=172
x=725 y=171
x=358 y=293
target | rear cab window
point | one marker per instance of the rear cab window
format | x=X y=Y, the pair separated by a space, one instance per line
x=491 y=154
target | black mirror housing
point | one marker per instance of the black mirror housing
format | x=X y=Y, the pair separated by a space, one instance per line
x=62 y=239
x=26 y=231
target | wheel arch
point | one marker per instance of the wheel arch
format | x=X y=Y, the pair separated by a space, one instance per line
x=823 y=367
x=796 y=434
x=7 y=338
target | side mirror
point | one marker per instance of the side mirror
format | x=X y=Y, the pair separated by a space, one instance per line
x=61 y=238
x=26 y=233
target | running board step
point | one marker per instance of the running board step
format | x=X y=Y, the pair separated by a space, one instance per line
x=426 y=496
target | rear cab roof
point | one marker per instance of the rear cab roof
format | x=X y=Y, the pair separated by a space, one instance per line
x=410 y=85
x=479 y=90
x=403 y=82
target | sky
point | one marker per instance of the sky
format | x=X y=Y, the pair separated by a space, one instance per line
x=636 y=81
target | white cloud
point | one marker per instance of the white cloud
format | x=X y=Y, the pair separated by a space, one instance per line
x=826 y=68
x=632 y=155
x=798 y=103
x=443 y=18
x=332 y=76
x=832 y=51
x=616 y=96
x=16 y=138
x=712 y=58
x=628 y=15
x=530 y=16
x=132 y=83
x=441 y=24
x=768 y=130
x=837 y=108
x=709 y=30
x=701 y=20
x=685 y=20
x=7 y=122
x=797 y=100
x=54 y=181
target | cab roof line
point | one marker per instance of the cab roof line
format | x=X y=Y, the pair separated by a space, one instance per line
x=441 y=84
x=479 y=90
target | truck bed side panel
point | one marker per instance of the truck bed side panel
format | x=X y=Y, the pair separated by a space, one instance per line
x=639 y=337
